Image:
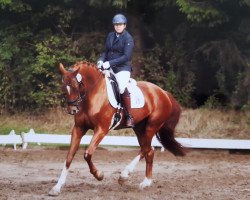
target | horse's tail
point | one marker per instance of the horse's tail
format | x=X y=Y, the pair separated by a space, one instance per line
x=166 y=133
x=166 y=138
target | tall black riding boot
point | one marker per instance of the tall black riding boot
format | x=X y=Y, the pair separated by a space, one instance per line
x=127 y=108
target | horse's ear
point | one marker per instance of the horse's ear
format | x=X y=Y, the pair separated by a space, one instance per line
x=76 y=71
x=62 y=69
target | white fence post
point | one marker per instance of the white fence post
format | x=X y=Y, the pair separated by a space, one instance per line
x=12 y=138
x=29 y=137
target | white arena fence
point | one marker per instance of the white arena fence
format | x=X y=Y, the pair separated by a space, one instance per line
x=31 y=137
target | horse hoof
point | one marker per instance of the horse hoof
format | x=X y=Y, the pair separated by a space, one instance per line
x=99 y=175
x=54 y=192
x=145 y=183
x=122 y=180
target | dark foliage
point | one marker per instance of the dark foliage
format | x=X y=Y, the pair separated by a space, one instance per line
x=198 y=50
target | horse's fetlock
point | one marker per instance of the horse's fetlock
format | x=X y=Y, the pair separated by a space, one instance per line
x=150 y=156
x=87 y=156
x=68 y=162
x=151 y=152
x=93 y=172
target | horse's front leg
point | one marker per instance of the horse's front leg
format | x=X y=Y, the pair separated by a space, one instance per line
x=77 y=134
x=96 y=139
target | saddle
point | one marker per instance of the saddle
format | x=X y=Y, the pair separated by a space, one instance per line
x=114 y=96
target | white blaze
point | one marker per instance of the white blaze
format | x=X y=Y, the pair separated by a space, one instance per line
x=68 y=89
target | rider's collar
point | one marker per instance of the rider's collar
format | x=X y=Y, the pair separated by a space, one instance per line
x=119 y=34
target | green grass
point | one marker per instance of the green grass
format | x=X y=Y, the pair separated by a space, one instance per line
x=5 y=130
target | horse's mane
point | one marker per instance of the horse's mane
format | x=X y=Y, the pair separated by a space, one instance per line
x=83 y=63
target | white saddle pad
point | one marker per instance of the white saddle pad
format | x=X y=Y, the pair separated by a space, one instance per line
x=136 y=96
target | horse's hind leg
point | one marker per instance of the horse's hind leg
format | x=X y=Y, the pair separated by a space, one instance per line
x=149 y=157
x=145 y=139
x=129 y=169
x=131 y=166
x=147 y=151
x=139 y=129
x=77 y=134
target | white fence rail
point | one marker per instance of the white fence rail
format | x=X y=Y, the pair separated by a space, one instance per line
x=32 y=137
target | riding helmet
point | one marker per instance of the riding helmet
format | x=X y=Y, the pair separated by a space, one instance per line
x=119 y=19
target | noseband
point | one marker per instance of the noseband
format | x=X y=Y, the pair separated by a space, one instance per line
x=75 y=102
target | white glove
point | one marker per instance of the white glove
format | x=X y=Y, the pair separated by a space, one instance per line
x=106 y=65
x=99 y=64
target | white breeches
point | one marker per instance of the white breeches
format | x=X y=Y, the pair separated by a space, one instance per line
x=122 y=79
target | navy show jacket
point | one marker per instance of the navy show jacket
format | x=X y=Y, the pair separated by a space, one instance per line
x=118 y=51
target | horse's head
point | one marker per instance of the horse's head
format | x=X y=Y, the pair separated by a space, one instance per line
x=72 y=83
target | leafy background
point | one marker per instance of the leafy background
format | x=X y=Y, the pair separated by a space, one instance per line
x=197 y=49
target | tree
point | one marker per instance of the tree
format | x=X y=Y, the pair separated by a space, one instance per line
x=209 y=40
x=195 y=49
x=29 y=58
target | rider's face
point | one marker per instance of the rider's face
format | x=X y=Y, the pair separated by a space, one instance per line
x=119 y=28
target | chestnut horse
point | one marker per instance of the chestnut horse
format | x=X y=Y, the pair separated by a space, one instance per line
x=88 y=102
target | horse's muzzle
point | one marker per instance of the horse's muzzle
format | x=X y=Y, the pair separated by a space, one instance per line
x=72 y=110
x=73 y=105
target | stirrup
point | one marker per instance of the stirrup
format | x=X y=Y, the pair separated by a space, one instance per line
x=129 y=122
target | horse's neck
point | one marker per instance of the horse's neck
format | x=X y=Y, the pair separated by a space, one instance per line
x=96 y=95
x=91 y=76
x=94 y=82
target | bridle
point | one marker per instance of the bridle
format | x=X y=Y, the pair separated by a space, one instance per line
x=81 y=97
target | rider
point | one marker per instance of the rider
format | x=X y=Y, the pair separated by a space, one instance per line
x=117 y=56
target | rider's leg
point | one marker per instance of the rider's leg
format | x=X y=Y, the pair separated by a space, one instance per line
x=127 y=108
x=123 y=79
